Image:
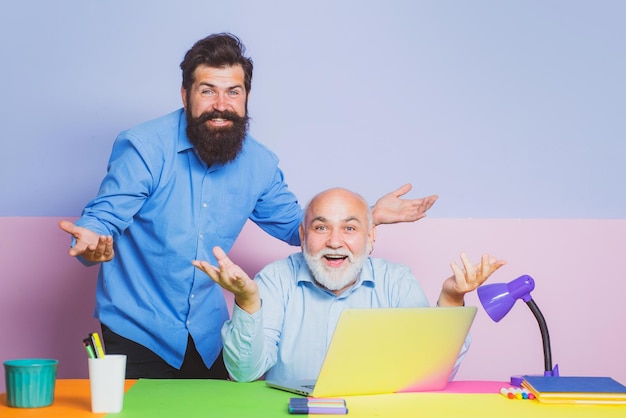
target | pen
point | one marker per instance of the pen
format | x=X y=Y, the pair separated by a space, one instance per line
x=95 y=338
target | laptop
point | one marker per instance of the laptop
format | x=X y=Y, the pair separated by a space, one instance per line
x=387 y=350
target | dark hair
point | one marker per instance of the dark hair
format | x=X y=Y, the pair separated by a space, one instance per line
x=217 y=50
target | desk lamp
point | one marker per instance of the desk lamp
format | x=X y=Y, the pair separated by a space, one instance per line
x=498 y=299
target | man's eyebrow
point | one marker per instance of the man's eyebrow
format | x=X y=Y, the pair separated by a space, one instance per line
x=352 y=219
x=348 y=219
x=213 y=86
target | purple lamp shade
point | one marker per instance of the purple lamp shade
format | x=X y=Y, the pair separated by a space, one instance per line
x=498 y=298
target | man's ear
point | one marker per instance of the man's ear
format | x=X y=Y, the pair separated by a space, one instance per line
x=372 y=237
x=301 y=233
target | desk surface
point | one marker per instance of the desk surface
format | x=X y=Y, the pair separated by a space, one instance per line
x=202 y=398
x=71 y=399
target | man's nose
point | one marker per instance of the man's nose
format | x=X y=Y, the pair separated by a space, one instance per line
x=220 y=103
x=335 y=239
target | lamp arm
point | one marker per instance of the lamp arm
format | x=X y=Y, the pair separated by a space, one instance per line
x=545 y=337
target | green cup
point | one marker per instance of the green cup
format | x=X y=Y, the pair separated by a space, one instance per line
x=30 y=382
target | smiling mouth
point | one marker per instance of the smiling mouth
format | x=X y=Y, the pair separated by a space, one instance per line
x=219 y=121
x=335 y=257
x=335 y=260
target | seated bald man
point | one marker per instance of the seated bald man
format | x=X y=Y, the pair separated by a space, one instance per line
x=282 y=320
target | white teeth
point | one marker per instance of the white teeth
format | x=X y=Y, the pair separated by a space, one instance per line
x=219 y=120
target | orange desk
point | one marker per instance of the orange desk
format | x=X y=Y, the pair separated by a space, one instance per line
x=203 y=398
x=71 y=399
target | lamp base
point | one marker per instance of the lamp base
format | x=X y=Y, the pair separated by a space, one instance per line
x=554 y=372
x=518 y=379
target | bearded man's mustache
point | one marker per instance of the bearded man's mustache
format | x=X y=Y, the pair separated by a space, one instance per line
x=217 y=114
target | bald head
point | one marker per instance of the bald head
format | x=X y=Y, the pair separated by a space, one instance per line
x=336 y=200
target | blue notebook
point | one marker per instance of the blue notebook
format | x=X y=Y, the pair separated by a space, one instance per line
x=576 y=389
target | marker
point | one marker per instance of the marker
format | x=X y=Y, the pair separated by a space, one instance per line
x=95 y=338
x=318 y=410
x=517 y=393
x=89 y=348
x=336 y=406
x=318 y=402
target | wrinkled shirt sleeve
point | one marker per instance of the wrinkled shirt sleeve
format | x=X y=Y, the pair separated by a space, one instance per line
x=246 y=356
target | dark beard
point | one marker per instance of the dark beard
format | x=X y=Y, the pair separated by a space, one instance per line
x=217 y=145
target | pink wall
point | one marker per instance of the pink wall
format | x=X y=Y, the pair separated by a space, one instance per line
x=46 y=297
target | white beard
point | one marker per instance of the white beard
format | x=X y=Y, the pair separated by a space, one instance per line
x=335 y=278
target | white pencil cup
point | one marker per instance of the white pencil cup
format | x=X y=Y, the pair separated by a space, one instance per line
x=106 y=381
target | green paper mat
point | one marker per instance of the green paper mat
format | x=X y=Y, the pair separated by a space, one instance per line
x=173 y=398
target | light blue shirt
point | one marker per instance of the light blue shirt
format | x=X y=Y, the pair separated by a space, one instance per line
x=165 y=208
x=289 y=336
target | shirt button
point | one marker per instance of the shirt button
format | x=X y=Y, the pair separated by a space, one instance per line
x=204 y=205
x=193 y=296
x=201 y=236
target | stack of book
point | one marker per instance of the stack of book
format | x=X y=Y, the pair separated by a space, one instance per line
x=575 y=389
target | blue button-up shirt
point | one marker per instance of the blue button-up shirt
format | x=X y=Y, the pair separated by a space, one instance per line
x=288 y=338
x=164 y=208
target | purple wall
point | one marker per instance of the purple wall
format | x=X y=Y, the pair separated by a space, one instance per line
x=510 y=109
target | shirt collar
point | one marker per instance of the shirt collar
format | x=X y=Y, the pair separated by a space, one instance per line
x=183 y=141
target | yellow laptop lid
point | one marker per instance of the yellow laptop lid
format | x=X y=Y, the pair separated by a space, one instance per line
x=385 y=350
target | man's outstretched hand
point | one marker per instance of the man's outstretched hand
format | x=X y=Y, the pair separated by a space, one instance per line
x=390 y=209
x=89 y=245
